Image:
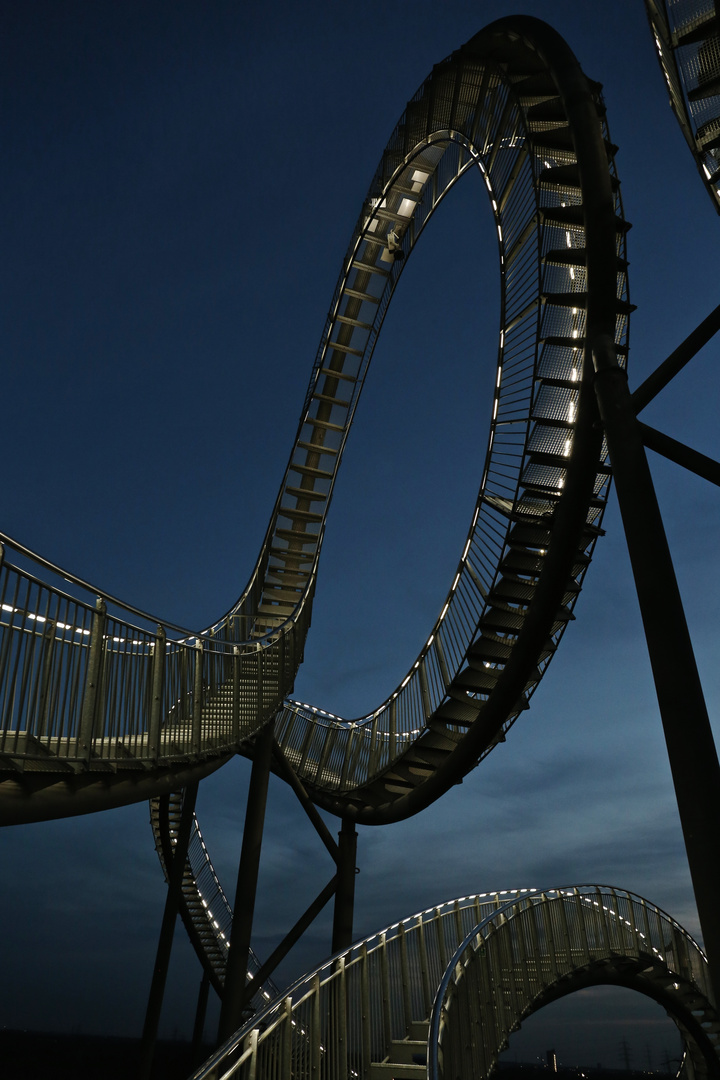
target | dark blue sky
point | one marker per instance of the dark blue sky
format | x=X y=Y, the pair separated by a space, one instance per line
x=180 y=182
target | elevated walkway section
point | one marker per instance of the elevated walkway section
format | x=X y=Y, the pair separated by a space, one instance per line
x=439 y=994
x=102 y=704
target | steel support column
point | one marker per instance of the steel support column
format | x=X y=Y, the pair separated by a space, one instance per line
x=345 y=893
x=688 y=735
x=244 y=909
x=683 y=455
x=167 y=931
x=200 y=1014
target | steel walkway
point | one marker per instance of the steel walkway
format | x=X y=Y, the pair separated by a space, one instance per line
x=440 y=993
x=101 y=704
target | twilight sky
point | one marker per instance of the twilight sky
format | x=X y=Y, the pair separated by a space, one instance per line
x=180 y=183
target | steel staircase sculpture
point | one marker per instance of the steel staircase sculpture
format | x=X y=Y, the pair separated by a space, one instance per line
x=439 y=994
x=103 y=704
x=100 y=706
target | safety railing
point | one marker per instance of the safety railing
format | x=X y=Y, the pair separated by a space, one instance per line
x=345 y=1015
x=348 y=1014
x=81 y=684
x=506 y=964
x=95 y=684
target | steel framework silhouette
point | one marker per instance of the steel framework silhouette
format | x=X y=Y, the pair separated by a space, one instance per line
x=101 y=704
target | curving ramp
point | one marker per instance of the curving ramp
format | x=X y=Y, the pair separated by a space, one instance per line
x=102 y=704
x=439 y=994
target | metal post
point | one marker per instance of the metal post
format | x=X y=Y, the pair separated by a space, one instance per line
x=93 y=676
x=366 y=1019
x=197 y=705
x=345 y=895
x=237 y=961
x=688 y=735
x=167 y=930
x=43 y=719
x=236 y=694
x=200 y=1013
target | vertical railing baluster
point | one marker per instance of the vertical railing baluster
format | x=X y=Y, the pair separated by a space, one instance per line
x=565 y=931
x=315 y=1031
x=235 y=718
x=252 y=1044
x=372 y=765
x=197 y=705
x=156 y=699
x=287 y=1040
x=366 y=1041
x=342 y=1039
x=346 y=758
x=440 y=929
x=93 y=676
x=43 y=704
x=549 y=935
x=393 y=728
x=405 y=980
x=582 y=922
x=458 y=923
x=427 y=999
x=385 y=978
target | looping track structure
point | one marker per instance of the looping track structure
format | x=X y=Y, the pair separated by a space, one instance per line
x=98 y=708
